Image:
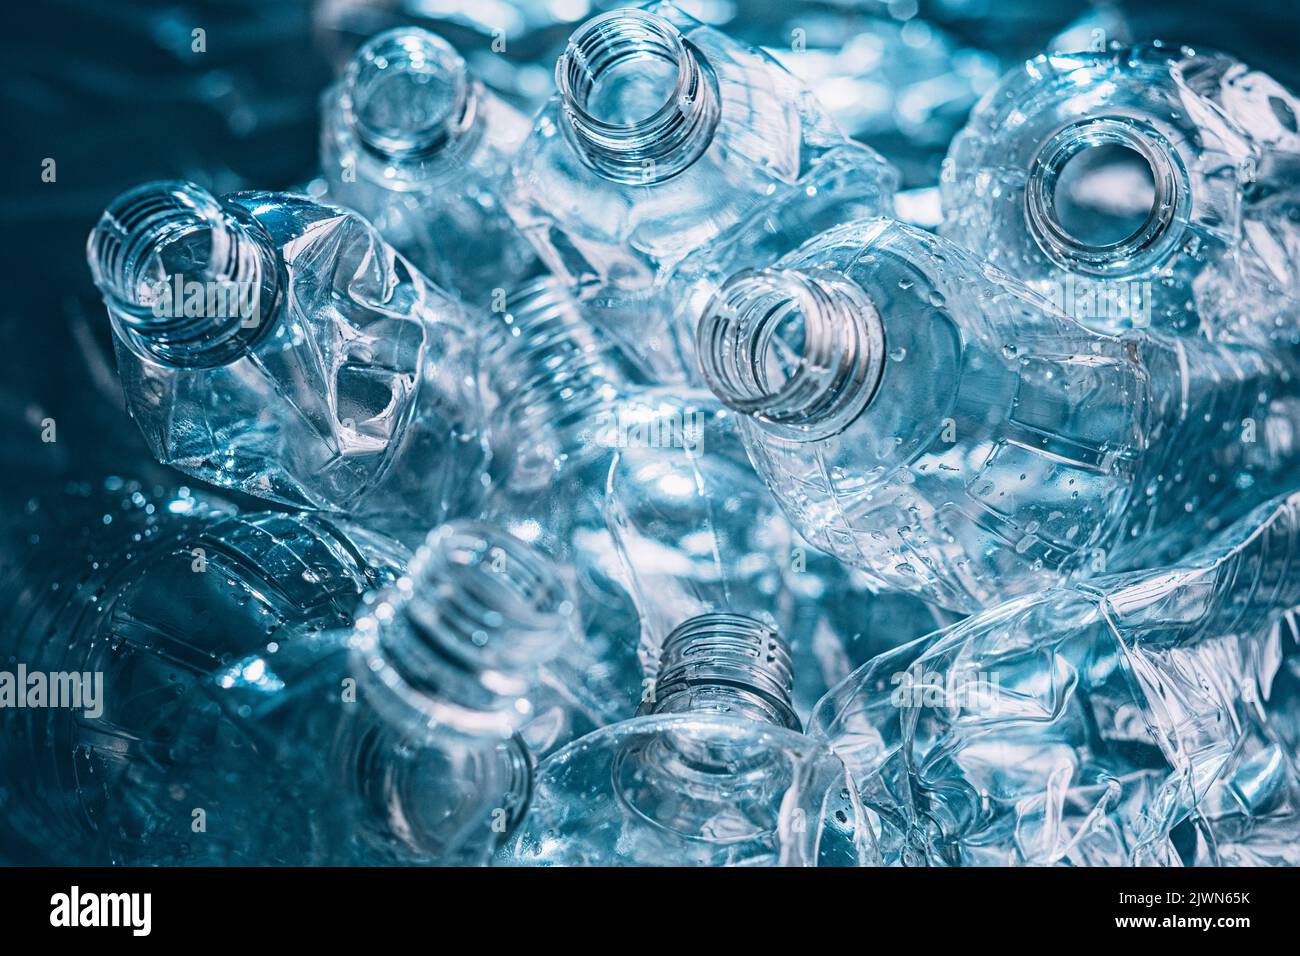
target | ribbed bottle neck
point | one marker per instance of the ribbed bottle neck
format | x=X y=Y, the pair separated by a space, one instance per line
x=460 y=637
x=189 y=281
x=410 y=104
x=801 y=352
x=556 y=372
x=643 y=150
x=726 y=663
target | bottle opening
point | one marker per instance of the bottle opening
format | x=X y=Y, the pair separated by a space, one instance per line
x=1103 y=196
x=726 y=663
x=642 y=103
x=460 y=637
x=187 y=284
x=407 y=94
x=802 y=353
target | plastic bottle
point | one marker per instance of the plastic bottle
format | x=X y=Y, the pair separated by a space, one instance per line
x=713 y=772
x=932 y=422
x=1145 y=186
x=277 y=346
x=420 y=147
x=1145 y=718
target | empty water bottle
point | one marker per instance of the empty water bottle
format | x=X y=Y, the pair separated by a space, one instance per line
x=932 y=422
x=664 y=135
x=278 y=346
x=419 y=146
x=1144 y=186
x=143 y=601
x=1130 y=720
x=698 y=532
x=245 y=720
x=713 y=772
x=570 y=411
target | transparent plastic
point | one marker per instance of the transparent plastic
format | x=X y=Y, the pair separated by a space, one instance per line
x=247 y=720
x=421 y=148
x=312 y=365
x=570 y=409
x=1144 y=718
x=1138 y=186
x=698 y=532
x=663 y=136
x=926 y=419
x=714 y=772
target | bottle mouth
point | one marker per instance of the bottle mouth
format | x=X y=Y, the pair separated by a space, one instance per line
x=407 y=96
x=728 y=663
x=1104 y=196
x=461 y=635
x=642 y=103
x=800 y=352
x=189 y=281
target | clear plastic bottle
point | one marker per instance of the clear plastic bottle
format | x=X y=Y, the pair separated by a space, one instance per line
x=714 y=771
x=245 y=718
x=698 y=533
x=569 y=408
x=416 y=144
x=932 y=422
x=1138 y=186
x=277 y=346
x=1144 y=718
x=664 y=135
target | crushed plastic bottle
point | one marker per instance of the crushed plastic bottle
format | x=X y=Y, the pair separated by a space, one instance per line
x=1145 y=186
x=421 y=148
x=928 y=420
x=713 y=772
x=664 y=135
x=1144 y=718
x=280 y=347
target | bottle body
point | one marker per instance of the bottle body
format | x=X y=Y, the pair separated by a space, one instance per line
x=1170 y=205
x=350 y=386
x=417 y=145
x=665 y=135
x=167 y=602
x=1147 y=714
x=714 y=772
x=932 y=422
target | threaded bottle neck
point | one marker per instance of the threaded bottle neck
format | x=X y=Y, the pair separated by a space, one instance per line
x=641 y=102
x=554 y=368
x=1129 y=236
x=726 y=663
x=801 y=352
x=189 y=281
x=460 y=637
x=409 y=101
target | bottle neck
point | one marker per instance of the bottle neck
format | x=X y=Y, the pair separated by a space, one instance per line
x=641 y=103
x=726 y=663
x=189 y=281
x=801 y=352
x=1104 y=242
x=555 y=371
x=458 y=641
x=410 y=104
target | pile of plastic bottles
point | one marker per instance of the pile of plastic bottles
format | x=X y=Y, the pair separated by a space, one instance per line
x=640 y=491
